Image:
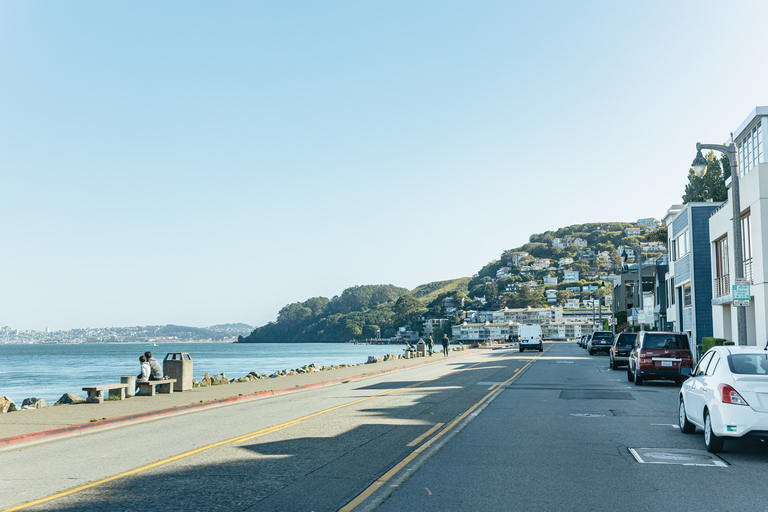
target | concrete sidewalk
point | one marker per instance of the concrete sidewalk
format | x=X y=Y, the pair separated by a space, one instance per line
x=38 y=425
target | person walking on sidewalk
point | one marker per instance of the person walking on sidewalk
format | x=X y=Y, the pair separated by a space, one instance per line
x=445 y=343
x=430 y=345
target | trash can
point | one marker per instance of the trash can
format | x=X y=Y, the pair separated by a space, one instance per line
x=131 y=381
x=178 y=365
x=421 y=348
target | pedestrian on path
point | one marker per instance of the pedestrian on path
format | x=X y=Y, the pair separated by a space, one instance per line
x=445 y=342
x=431 y=345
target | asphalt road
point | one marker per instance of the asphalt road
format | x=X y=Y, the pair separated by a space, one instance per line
x=312 y=450
x=559 y=439
x=494 y=431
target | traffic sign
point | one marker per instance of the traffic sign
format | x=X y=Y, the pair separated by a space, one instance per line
x=613 y=321
x=740 y=292
x=741 y=303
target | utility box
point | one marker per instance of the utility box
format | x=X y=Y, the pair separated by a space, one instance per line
x=178 y=365
x=421 y=348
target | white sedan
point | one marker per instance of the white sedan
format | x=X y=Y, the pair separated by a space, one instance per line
x=727 y=395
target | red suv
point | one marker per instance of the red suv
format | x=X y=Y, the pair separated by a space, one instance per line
x=660 y=356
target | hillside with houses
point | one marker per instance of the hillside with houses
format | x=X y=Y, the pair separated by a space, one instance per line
x=561 y=279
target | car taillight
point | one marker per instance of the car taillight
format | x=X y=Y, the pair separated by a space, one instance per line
x=615 y=350
x=730 y=395
x=641 y=355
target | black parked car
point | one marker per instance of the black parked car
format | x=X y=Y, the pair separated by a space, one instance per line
x=600 y=341
x=622 y=346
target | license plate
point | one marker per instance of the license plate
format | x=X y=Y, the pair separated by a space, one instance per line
x=666 y=363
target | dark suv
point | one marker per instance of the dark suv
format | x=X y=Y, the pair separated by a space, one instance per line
x=660 y=355
x=600 y=341
x=621 y=348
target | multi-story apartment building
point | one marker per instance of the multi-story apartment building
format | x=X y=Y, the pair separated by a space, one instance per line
x=689 y=284
x=750 y=138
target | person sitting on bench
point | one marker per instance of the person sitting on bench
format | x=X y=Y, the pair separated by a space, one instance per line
x=145 y=372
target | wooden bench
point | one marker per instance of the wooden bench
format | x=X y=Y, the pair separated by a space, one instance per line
x=96 y=393
x=147 y=387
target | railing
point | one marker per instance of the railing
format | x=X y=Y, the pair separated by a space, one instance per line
x=718 y=208
x=748 y=270
x=722 y=286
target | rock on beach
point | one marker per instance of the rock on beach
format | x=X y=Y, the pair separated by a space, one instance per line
x=69 y=398
x=7 y=405
x=33 y=403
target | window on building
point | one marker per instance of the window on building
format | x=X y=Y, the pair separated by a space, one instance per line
x=671 y=292
x=687 y=299
x=680 y=246
x=751 y=149
x=746 y=236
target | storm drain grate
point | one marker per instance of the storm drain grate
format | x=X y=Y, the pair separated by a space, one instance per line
x=590 y=394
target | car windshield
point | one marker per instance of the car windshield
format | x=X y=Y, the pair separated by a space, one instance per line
x=626 y=339
x=665 y=341
x=749 y=364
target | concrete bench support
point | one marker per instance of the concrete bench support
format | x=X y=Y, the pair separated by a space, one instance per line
x=96 y=393
x=147 y=387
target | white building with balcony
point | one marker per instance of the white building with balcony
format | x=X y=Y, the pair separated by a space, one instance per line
x=750 y=140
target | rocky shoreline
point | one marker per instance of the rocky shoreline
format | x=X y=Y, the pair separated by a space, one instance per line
x=7 y=405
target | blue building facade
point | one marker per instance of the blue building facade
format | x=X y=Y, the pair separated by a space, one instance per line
x=689 y=281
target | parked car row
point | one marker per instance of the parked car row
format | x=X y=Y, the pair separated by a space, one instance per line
x=725 y=394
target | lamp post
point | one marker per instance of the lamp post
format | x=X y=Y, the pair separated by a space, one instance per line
x=699 y=166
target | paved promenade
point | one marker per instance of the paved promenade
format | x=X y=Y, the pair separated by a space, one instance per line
x=24 y=427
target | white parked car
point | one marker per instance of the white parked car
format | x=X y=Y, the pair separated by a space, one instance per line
x=727 y=396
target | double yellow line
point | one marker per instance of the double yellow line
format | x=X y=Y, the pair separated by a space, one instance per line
x=409 y=458
x=258 y=433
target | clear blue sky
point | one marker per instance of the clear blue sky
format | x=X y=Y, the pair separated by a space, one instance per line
x=208 y=162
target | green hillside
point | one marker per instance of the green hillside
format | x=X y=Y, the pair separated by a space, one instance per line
x=518 y=278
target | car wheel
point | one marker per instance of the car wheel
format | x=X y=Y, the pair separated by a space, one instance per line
x=614 y=365
x=591 y=352
x=714 y=444
x=541 y=348
x=521 y=349
x=686 y=427
x=630 y=375
x=638 y=380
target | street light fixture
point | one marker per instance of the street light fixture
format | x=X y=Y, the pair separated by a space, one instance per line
x=699 y=165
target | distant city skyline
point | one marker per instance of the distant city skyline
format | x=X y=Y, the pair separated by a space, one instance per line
x=196 y=164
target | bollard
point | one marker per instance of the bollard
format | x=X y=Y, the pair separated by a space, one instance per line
x=131 y=389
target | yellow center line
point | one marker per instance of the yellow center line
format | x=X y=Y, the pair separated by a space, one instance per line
x=495 y=385
x=425 y=434
x=240 y=438
x=407 y=460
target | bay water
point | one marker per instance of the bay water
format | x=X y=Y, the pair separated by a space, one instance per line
x=49 y=371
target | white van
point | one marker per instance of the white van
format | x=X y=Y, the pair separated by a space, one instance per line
x=529 y=336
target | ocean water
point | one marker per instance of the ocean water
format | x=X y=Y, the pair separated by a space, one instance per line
x=49 y=371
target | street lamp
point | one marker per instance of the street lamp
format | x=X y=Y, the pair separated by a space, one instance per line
x=699 y=166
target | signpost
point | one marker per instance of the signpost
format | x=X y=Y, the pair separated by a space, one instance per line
x=740 y=293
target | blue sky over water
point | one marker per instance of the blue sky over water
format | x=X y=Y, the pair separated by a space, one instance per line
x=198 y=163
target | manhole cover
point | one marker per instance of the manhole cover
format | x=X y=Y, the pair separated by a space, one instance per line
x=674 y=456
x=588 y=415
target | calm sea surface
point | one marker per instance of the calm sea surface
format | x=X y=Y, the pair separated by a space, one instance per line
x=49 y=371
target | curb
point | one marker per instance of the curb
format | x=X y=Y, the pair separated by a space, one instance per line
x=84 y=428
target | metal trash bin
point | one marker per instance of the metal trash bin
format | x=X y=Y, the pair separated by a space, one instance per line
x=178 y=365
x=421 y=348
x=131 y=381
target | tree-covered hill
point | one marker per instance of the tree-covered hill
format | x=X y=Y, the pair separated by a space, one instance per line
x=514 y=280
x=357 y=313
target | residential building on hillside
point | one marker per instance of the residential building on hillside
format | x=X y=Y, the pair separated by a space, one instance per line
x=528 y=315
x=541 y=263
x=570 y=276
x=586 y=255
x=431 y=324
x=750 y=138
x=648 y=223
x=633 y=231
x=565 y=261
x=578 y=314
x=550 y=280
x=689 y=280
x=626 y=252
x=518 y=258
